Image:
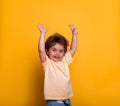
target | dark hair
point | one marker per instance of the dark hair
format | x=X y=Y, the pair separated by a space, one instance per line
x=56 y=38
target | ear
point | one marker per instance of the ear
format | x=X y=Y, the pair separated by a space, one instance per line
x=64 y=53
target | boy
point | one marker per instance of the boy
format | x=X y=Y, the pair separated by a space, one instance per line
x=55 y=60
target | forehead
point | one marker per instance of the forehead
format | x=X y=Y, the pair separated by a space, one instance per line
x=57 y=46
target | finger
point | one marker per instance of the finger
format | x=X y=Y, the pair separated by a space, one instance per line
x=71 y=26
x=38 y=26
x=42 y=25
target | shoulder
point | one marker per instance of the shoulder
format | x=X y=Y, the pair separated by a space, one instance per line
x=68 y=57
x=46 y=60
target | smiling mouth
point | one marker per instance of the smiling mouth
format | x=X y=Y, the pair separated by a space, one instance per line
x=56 y=57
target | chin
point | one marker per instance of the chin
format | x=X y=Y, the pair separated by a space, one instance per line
x=56 y=60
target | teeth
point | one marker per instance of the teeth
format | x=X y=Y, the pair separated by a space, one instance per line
x=56 y=57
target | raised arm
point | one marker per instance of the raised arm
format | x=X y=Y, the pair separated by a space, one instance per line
x=41 y=44
x=73 y=45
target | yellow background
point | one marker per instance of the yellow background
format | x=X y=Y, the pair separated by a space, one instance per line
x=95 y=72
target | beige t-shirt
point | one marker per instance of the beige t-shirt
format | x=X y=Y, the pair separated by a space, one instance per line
x=57 y=85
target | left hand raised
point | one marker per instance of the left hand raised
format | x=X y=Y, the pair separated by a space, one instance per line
x=73 y=29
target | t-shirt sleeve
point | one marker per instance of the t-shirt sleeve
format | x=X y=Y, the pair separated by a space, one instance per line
x=68 y=58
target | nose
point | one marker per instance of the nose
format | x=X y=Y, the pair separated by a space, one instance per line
x=57 y=52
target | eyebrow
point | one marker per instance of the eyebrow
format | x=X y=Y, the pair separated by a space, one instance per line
x=56 y=48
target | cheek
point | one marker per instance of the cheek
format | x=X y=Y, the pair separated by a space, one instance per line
x=51 y=53
x=62 y=54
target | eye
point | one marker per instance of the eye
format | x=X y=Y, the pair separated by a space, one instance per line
x=53 y=50
x=61 y=51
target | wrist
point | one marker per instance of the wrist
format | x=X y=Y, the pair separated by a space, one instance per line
x=43 y=33
x=75 y=34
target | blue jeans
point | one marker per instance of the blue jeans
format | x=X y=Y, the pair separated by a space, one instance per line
x=58 y=103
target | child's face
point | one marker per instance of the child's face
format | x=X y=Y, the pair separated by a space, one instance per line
x=56 y=52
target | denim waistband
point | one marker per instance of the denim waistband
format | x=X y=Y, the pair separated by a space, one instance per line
x=59 y=100
x=65 y=102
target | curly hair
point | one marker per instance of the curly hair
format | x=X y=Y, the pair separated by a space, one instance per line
x=56 y=38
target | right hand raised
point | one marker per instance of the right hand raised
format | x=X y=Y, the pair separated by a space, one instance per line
x=42 y=29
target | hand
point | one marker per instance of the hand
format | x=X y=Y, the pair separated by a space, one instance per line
x=73 y=29
x=42 y=29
